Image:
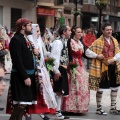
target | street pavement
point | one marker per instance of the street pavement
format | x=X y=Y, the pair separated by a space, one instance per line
x=89 y=116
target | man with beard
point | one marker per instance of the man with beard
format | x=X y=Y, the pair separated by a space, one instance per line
x=22 y=80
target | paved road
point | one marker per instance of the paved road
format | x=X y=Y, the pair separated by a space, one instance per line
x=89 y=116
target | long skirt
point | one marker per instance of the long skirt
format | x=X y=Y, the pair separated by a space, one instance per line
x=79 y=95
x=46 y=102
x=40 y=107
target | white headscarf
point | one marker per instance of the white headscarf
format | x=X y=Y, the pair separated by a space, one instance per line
x=37 y=42
x=48 y=93
x=49 y=33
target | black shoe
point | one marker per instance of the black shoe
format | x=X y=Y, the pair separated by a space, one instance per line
x=46 y=118
x=1 y=109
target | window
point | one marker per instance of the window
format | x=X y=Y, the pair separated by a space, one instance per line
x=15 y=15
x=59 y=2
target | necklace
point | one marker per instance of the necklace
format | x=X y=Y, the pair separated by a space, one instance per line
x=77 y=41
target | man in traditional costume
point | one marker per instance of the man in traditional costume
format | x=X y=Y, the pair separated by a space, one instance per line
x=59 y=52
x=22 y=90
x=105 y=67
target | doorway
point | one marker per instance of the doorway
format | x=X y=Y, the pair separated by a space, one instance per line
x=41 y=20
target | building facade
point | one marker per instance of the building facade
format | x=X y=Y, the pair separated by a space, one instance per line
x=110 y=13
x=11 y=10
x=47 y=13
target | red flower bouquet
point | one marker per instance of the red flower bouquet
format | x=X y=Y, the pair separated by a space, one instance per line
x=49 y=62
x=73 y=65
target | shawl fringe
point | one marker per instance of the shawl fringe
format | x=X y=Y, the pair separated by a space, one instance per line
x=94 y=83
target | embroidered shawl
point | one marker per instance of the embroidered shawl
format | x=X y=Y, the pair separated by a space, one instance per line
x=98 y=67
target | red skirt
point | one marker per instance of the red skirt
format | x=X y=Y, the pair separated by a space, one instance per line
x=40 y=107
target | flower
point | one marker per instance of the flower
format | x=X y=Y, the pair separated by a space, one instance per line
x=101 y=2
x=73 y=66
x=28 y=43
x=49 y=63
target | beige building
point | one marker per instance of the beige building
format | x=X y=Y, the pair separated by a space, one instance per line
x=11 y=10
x=47 y=13
x=69 y=8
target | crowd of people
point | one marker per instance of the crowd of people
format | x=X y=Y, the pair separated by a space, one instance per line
x=35 y=89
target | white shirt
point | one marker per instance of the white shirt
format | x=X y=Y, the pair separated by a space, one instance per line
x=92 y=54
x=56 y=48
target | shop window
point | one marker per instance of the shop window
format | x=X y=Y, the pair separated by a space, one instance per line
x=15 y=15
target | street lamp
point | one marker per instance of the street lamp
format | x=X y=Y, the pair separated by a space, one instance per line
x=100 y=4
x=76 y=12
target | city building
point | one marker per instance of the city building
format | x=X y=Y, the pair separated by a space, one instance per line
x=111 y=13
x=11 y=10
x=47 y=13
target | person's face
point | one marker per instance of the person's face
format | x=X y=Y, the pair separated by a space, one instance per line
x=38 y=31
x=78 y=33
x=2 y=81
x=89 y=33
x=46 y=31
x=107 y=32
x=28 y=29
x=55 y=35
x=68 y=33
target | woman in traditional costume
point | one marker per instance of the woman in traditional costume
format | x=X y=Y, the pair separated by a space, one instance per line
x=46 y=102
x=79 y=96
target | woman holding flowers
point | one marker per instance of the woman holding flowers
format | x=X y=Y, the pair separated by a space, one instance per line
x=78 y=99
x=46 y=102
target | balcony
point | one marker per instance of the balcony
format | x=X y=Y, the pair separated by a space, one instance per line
x=89 y=8
x=112 y=10
x=58 y=2
x=48 y=3
x=70 y=4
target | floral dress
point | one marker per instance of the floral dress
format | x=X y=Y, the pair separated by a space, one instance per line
x=79 y=94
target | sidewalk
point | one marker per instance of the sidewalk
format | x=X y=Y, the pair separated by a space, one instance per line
x=90 y=115
x=106 y=100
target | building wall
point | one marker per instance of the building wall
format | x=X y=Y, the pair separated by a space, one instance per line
x=28 y=11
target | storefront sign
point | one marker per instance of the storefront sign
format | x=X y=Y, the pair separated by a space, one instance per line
x=46 y=11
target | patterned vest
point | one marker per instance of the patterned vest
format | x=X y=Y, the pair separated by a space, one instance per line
x=64 y=52
x=108 y=50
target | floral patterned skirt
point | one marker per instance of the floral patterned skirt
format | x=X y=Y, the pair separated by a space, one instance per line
x=79 y=94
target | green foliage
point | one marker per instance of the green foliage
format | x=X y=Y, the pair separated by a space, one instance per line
x=98 y=2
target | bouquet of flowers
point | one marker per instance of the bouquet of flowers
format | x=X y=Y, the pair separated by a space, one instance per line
x=49 y=62
x=73 y=66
